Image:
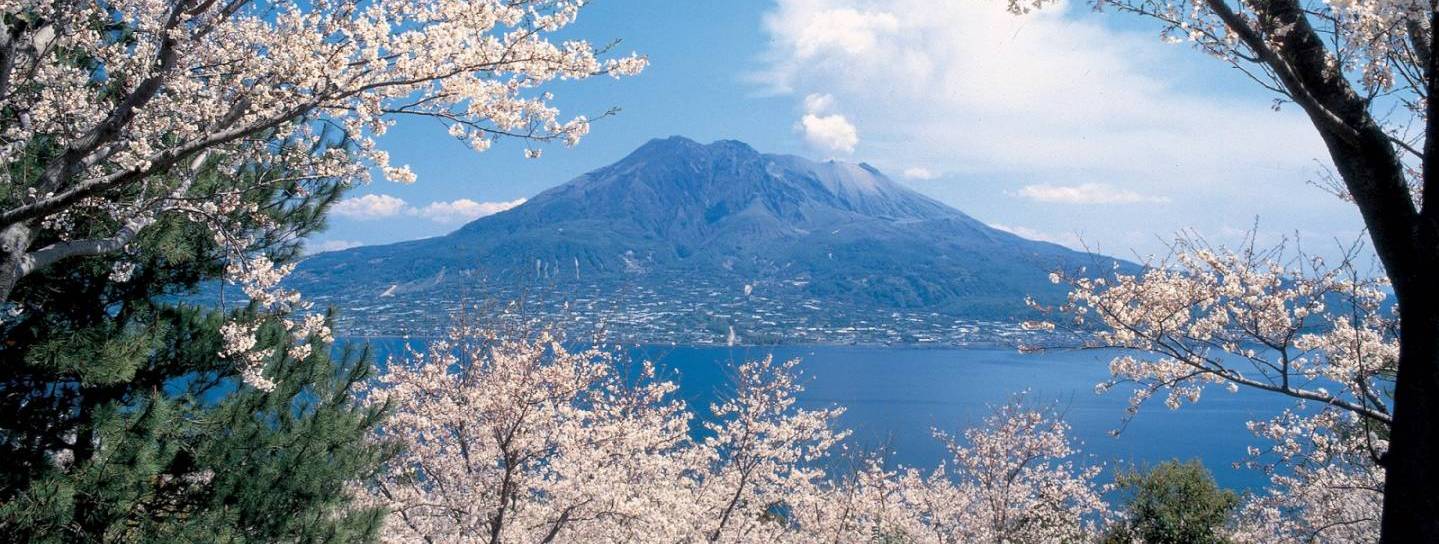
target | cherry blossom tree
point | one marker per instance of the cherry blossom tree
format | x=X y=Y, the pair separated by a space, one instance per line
x=114 y=109
x=1012 y=478
x=1363 y=72
x=1019 y=480
x=758 y=463
x=1324 y=483
x=522 y=440
x=517 y=438
x=1317 y=333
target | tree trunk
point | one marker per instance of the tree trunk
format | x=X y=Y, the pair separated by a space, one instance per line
x=1405 y=240
x=1411 y=484
x=14 y=245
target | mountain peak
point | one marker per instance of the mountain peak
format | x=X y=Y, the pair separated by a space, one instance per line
x=677 y=177
x=680 y=145
x=671 y=143
x=691 y=217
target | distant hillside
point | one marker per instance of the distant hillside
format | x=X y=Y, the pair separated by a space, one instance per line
x=680 y=217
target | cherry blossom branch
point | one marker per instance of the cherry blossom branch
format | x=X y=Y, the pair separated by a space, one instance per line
x=55 y=252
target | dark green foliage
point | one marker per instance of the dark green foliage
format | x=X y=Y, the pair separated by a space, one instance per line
x=1173 y=503
x=190 y=457
x=122 y=424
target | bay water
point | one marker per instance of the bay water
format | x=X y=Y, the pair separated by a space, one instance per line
x=896 y=396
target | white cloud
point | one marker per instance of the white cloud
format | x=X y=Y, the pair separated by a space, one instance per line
x=984 y=89
x=916 y=172
x=1070 y=240
x=1086 y=193
x=829 y=132
x=852 y=31
x=1056 y=98
x=463 y=210
x=818 y=103
x=369 y=207
x=321 y=246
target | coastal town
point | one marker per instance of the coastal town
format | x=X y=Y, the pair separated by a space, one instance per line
x=689 y=311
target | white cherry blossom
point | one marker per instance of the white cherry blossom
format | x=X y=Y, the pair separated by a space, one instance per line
x=121 y=105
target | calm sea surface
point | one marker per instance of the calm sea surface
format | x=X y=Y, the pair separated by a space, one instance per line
x=894 y=396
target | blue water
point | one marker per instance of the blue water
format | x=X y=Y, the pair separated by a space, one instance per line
x=895 y=396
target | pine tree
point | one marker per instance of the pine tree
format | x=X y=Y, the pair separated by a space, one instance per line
x=1173 y=503
x=122 y=424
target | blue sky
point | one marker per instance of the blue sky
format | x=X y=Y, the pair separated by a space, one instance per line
x=1067 y=125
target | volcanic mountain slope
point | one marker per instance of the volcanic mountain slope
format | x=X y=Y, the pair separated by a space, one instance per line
x=676 y=212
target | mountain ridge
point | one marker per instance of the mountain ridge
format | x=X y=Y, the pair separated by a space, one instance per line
x=675 y=214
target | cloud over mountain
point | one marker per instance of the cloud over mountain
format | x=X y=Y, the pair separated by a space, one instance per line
x=1087 y=193
x=464 y=210
x=368 y=207
x=1045 y=105
x=829 y=132
x=379 y=206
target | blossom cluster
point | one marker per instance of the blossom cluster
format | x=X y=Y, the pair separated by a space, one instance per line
x=1320 y=334
x=1013 y=478
x=1353 y=66
x=123 y=104
x=520 y=438
x=1325 y=484
x=1372 y=40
